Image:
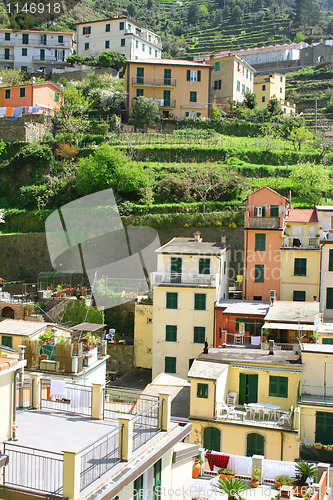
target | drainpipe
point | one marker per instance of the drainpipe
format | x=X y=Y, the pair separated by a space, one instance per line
x=21 y=377
x=13 y=430
x=325 y=378
x=281 y=446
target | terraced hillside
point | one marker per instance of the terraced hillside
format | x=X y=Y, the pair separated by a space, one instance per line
x=304 y=86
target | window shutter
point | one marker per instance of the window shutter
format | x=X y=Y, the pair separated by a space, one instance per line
x=242 y=388
x=253 y=388
x=330 y=264
x=212 y=439
x=199 y=75
x=188 y=78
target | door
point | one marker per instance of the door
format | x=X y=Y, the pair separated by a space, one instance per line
x=42 y=54
x=176 y=270
x=284 y=336
x=166 y=97
x=167 y=77
x=157 y=480
x=212 y=439
x=324 y=425
x=248 y=388
x=140 y=73
x=7 y=54
x=255 y=444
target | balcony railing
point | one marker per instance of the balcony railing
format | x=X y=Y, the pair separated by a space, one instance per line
x=152 y=81
x=184 y=279
x=5 y=57
x=163 y=103
x=264 y=222
x=300 y=242
x=36 y=43
x=47 y=59
x=262 y=414
x=316 y=394
x=143 y=35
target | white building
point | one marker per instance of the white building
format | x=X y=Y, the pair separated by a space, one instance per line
x=117 y=35
x=325 y=219
x=34 y=51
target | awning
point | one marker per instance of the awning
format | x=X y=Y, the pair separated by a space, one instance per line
x=289 y=326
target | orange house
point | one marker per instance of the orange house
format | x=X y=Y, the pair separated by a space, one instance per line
x=239 y=321
x=263 y=228
x=46 y=95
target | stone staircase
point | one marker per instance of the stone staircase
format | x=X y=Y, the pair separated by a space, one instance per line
x=56 y=312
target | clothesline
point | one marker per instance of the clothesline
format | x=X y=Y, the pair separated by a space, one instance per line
x=14 y=113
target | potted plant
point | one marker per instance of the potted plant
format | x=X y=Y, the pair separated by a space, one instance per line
x=304 y=472
x=325 y=446
x=232 y=487
x=226 y=473
x=44 y=356
x=318 y=446
x=256 y=477
x=116 y=338
x=46 y=338
x=282 y=480
x=196 y=468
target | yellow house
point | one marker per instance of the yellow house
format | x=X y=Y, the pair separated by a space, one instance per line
x=325 y=333
x=191 y=276
x=182 y=88
x=266 y=87
x=326 y=277
x=143 y=335
x=8 y=369
x=120 y=34
x=15 y=332
x=316 y=401
x=231 y=78
x=300 y=256
x=244 y=402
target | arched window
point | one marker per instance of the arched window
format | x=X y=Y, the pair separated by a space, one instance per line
x=255 y=444
x=7 y=312
x=212 y=439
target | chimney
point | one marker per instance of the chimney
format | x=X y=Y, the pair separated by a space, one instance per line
x=223 y=238
x=271 y=347
x=197 y=236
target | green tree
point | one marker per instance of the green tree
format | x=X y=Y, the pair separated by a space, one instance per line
x=274 y=107
x=11 y=76
x=299 y=37
x=250 y=99
x=145 y=108
x=77 y=312
x=310 y=182
x=72 y=119
x=109 y=168
x=75 y=59
x=193 y=14
x=173 y=188
x=307 y=13
x=113 y=60
x=237 y=13
x=299 y=136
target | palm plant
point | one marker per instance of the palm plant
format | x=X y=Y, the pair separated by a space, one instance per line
x=304 y=470
x=232 y=487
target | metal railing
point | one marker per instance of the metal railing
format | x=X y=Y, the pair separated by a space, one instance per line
x=100 y=457
x=264 y=222
x=300 y=242
x=259 y=414
x=24 y=393
x=185 y=279
x=154 y=81
x=125 y=401
x=49 y=59
x=6 y=58
x=146 y=424
x=76 y=399
x=316 y=394
x=34 y=469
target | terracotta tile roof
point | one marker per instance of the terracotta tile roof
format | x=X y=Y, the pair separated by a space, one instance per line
x=302 y=215
x=7 y=362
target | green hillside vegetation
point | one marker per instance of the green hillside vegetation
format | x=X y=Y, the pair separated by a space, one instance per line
x=206 y=26
x=305 y=86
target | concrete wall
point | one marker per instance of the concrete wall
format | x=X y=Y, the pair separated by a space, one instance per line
x=121 y=358
x=6 y=396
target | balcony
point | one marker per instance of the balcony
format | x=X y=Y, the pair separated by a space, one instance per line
x=152 y=81
x=250 y=414
x=316 y=395
x=143 y=36
x=184 y=279
x=264 y=223
x=17 y=42
x=47 y=59
x=301 y=242
x=4 y=57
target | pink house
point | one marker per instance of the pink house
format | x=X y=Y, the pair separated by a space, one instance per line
x=44 y=97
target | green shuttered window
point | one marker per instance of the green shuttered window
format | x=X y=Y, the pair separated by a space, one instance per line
x=278 y=386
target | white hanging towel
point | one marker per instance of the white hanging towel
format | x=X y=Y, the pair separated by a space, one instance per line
x=57 y=389
x=2 y=112
x=256 y=340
